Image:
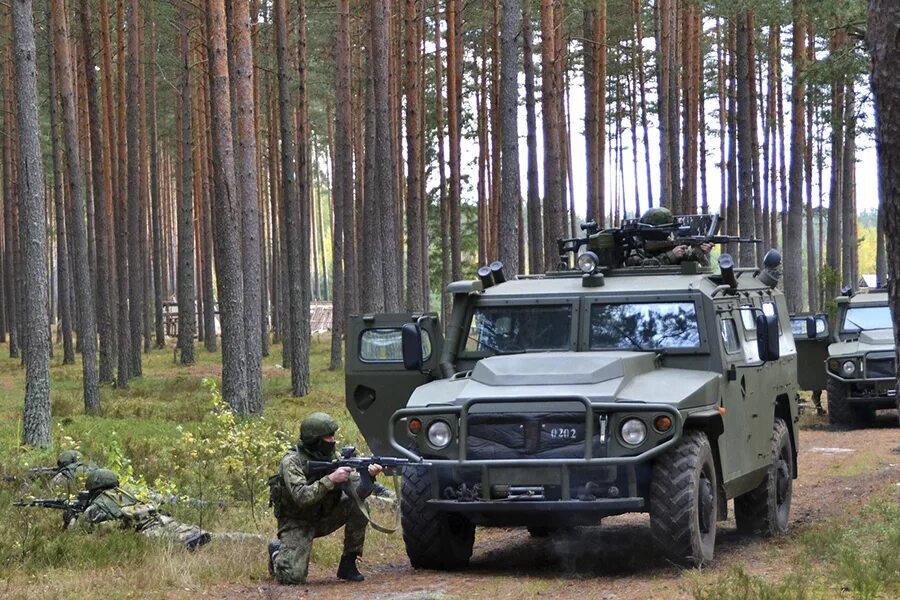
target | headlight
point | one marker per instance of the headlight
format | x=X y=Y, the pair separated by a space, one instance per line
x=848 y=368
x=439 y=434
x=634 y=432
x=587 y=262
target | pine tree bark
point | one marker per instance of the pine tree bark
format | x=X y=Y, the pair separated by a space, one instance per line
x=99 y=180
x=454 y=126
x=385 y=193
x=9 y=208
x=87 y=331
x=36 y=417
x=227 y=203
x=248 y=188
x=510 y=194
x=534 y=216
x=300 y=375
x=835 y=197
x=793 y=273
x=745 y=149
x=415 y=219
x=62 y=246
x=158 y=255
x=848 y=186
x=289 y=202
x=187 y=305
x=554 y=217
x=883 y=32
x=133 y=102
x=342 y=184
x=812 y=262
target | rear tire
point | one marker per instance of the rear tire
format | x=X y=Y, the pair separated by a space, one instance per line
x=766 y=508
x=683 y=501
x=433 y=539
x=840 y=410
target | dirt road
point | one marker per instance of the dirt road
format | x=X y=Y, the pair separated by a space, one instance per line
x=838 y=470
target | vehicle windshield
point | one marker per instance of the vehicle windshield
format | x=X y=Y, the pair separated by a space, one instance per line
x=644 y=326
x=862 y=318
x=512 y=329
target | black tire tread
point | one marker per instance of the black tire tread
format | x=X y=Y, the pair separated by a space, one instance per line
x=672 y=498
x=430 y=543
x=755 y=512
x=840 y=411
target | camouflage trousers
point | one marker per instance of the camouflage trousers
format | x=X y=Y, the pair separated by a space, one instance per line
x=296 y=537
x=164 y=526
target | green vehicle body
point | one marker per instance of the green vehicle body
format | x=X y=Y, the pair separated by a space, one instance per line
x=536 y=437
x=871 y=349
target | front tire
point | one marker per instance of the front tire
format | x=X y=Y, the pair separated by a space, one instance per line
x=840 y=410
x=766 y=508
x=433 y=539
x=683 y=501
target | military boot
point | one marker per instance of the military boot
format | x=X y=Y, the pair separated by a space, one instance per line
x=347 y=569
x=274 y=548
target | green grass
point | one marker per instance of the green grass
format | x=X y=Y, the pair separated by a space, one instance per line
x=854 y=556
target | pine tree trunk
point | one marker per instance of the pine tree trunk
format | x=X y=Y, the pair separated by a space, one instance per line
x=534 y=215
x=62 y=247
x=598 y=165
x=135 y=226
x=883 y=31
x=793 y=273
x=415 y=220
x=300 y=358
x=248 y=195
x=13 y=265
x=454 y=125
x=835 y=197
x=812 y=262
x=848 y=208
x=155 y=202
x=36 y=416
x=444 y=202
x=87 y=331
x=510 y=195
x=187 y=306
x=289 y=203
x=342 y=184
x=731 y=220
x=745 y=164
x=228 y=204
x=100 y=183
x=554 y=226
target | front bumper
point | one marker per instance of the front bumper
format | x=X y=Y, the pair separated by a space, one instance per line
x=618 y=473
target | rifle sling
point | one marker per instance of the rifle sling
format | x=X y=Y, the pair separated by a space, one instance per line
x=351 y=491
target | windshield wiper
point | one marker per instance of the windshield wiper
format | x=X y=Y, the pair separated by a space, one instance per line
x=854 y=323
x=493 y=348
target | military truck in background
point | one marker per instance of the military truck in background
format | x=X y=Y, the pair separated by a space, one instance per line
x=559 y=399
x=853 y=359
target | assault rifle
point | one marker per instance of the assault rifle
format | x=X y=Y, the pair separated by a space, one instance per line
x=33 y=473
x=70 y=508
x=349 y=458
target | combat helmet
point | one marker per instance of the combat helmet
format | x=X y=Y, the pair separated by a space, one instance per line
x=68 y=458
x=101 y=479
x=658 y=216
x=315 y=426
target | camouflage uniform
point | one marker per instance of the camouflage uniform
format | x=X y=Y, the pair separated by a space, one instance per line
x=70 y=471
x=640 y=257
x=112 y=506
x=307 y=509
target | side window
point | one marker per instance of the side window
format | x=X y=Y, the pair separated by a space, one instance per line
x=730 y=339
x=385 y=345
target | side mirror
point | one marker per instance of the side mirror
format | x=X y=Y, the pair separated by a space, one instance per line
x=767 y=343
x=411 y=340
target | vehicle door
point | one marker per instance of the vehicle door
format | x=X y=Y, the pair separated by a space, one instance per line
x=377 y=384
x=734 y=449
x=811 y=337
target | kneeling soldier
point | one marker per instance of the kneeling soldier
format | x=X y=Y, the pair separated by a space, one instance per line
x=308 y=508
x=110 y=505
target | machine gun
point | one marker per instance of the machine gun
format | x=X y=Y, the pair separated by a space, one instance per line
x=614 y=245
x=70 y=508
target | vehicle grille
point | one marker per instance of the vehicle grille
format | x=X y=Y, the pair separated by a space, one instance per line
x=880 y=366
x=504 y=436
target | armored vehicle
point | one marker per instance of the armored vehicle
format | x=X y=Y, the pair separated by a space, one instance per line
x=559 y=399
x=855 y=362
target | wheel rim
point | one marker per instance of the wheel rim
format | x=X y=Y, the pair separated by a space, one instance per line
x=783 y=484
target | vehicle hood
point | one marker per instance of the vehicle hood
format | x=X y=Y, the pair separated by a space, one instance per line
x=598 y=376
x=875 y=340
